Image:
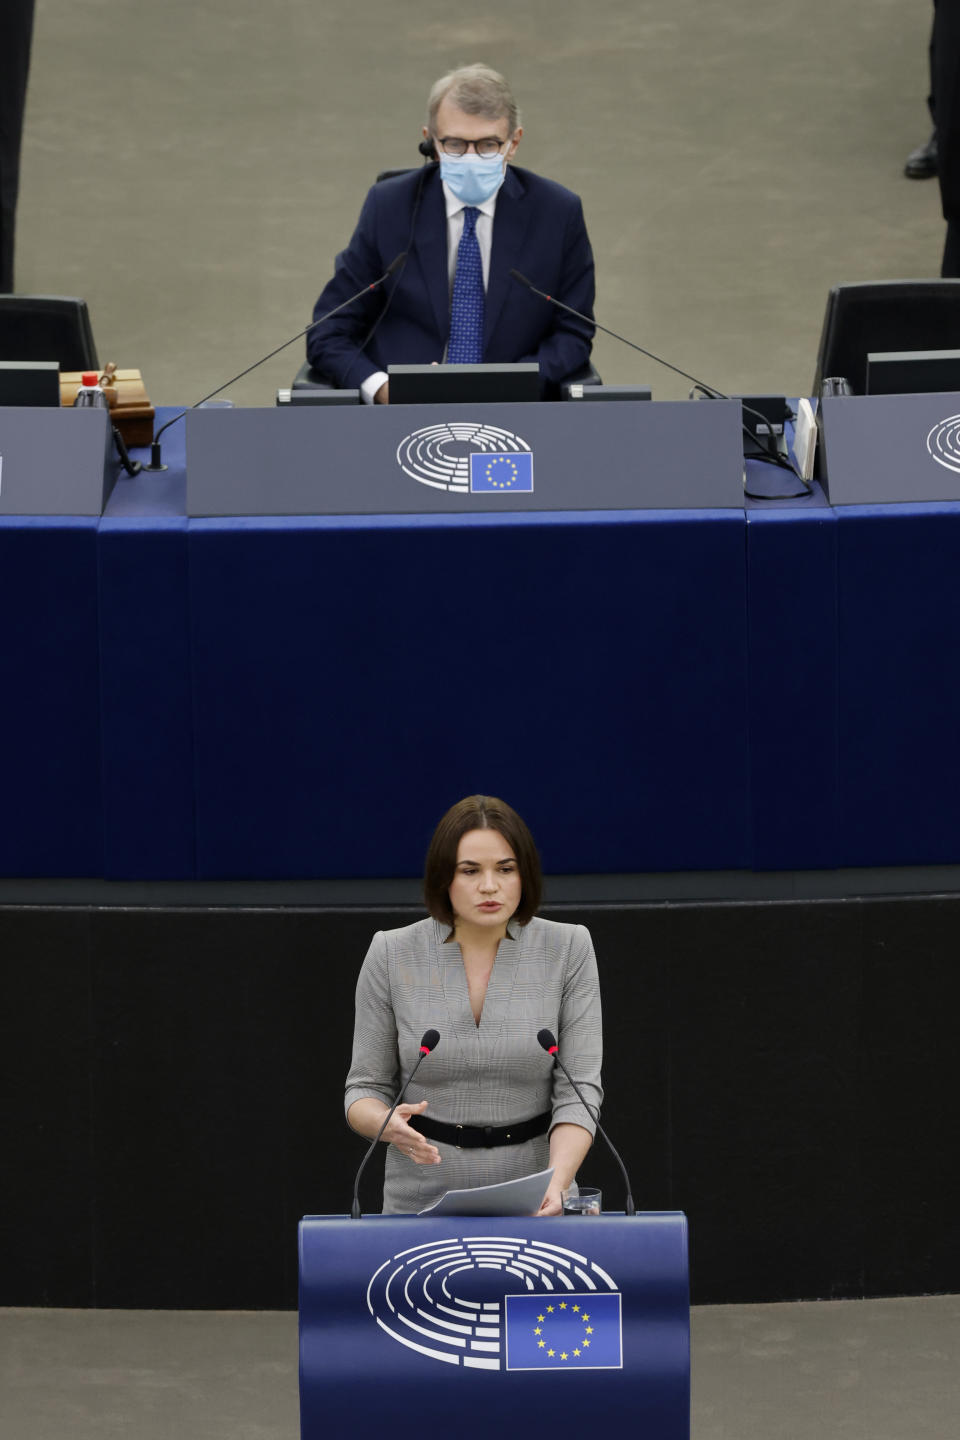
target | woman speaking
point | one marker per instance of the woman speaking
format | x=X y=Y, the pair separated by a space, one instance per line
x=487 y=1105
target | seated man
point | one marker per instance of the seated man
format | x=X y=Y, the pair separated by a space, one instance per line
x=465 y=220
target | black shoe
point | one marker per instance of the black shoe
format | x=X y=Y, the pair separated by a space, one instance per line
x=922 y=162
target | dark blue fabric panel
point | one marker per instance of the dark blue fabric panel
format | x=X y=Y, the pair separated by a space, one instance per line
x=793 y=686
x=147 y=730
x=145 y=675
x=899 y=619
x=50 y=710
x=352 y=678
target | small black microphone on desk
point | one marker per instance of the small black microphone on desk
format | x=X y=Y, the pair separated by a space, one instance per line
x=549 y=1042
x=156 y=460
x=429 y=1041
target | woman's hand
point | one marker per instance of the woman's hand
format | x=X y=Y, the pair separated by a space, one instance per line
x=552 y=1202
x=410 y=1142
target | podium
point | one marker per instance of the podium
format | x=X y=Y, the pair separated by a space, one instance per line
x=408 y=1322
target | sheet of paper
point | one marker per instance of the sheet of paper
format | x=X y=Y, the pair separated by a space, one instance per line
x=805 y=439
x=512 y=1197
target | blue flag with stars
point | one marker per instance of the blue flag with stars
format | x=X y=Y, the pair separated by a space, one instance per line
x=497 y=474
x=564 y=1332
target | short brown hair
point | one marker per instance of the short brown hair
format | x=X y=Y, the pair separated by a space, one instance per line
x=477 y=90
x=480 y=812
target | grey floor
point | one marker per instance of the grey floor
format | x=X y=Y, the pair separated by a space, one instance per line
x=193 y=167
x=840 y=1370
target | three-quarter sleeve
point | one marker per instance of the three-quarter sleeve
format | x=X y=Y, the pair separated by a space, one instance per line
x=580 y=1036
x=374 y=1067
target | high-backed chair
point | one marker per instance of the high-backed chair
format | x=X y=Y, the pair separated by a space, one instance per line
x=885 y=315
x=47 y=327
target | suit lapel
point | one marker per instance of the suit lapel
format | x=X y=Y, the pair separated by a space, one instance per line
x=510 y=222
x=431 y=247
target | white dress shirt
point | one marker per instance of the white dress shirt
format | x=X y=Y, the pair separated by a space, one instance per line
x=484 y=233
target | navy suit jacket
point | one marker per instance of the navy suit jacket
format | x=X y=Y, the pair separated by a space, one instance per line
x=538 y=228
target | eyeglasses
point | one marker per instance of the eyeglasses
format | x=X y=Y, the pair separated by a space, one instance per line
x=490 y=145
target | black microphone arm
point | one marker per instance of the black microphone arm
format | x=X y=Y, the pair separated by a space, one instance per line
x=429 y=1041
x=156 y=461
x=549 y=1042
x=710 y=390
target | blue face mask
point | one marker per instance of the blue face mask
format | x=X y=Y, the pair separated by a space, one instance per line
x=472 y=178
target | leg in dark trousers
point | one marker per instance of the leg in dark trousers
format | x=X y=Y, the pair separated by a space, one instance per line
x=947 y=91
x=16 y=32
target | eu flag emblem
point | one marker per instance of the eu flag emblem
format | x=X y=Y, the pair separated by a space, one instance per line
x=496 y=474
x=564 y=1332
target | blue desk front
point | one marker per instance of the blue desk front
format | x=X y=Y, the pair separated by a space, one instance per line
x=407 y=1323
x=299 y=697
x=654 y=690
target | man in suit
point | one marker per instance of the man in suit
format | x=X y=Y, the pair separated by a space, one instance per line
x=464 y=220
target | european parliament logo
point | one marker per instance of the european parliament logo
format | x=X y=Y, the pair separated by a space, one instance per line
x=943 y=443
x=498 y=1302
x=466 y=457
x=564 y=1332
x=495 y=474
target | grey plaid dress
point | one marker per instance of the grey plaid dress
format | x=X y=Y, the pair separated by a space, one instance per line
x=494 y=1073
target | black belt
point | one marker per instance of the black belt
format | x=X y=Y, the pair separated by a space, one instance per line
x=481 y=1137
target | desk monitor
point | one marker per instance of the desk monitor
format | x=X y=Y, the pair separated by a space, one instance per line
x=913 y=372
x=30 y=382
x=463 y=384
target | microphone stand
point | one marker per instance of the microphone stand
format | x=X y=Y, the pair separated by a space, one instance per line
x=425 y=1049
x=709 y=391
x=156 y=461
x=550 y=1045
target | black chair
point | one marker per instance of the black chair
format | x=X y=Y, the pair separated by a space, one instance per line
x=47 y=327
x=885 y=315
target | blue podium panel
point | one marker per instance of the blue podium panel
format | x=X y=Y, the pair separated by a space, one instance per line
x=145 y=676
x=353 y=677
x=899 y=698
x=792 y=567
x=406 y=1322
x=50 y=716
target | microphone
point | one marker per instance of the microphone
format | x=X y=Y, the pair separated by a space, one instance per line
x=156 y=461
x=713 y=394
x=429 y=1041
x=710 y=391
x=548 y=1040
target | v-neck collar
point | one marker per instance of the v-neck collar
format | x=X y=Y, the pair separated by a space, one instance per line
x=500 y=986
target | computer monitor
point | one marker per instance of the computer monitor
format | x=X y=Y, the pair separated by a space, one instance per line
x=463 y=384
x=30 y=382
x=913 y=372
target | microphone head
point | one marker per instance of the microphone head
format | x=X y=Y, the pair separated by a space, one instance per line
x=515 y=275
x=429 y=1041
x=395 y=264
x=548 y=1040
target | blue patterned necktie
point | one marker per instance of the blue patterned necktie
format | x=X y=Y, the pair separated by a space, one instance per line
x=466 y=309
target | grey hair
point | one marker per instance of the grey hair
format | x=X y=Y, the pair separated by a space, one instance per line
x=477 y=90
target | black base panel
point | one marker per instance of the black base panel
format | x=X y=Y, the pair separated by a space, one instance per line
x=782 y=1071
